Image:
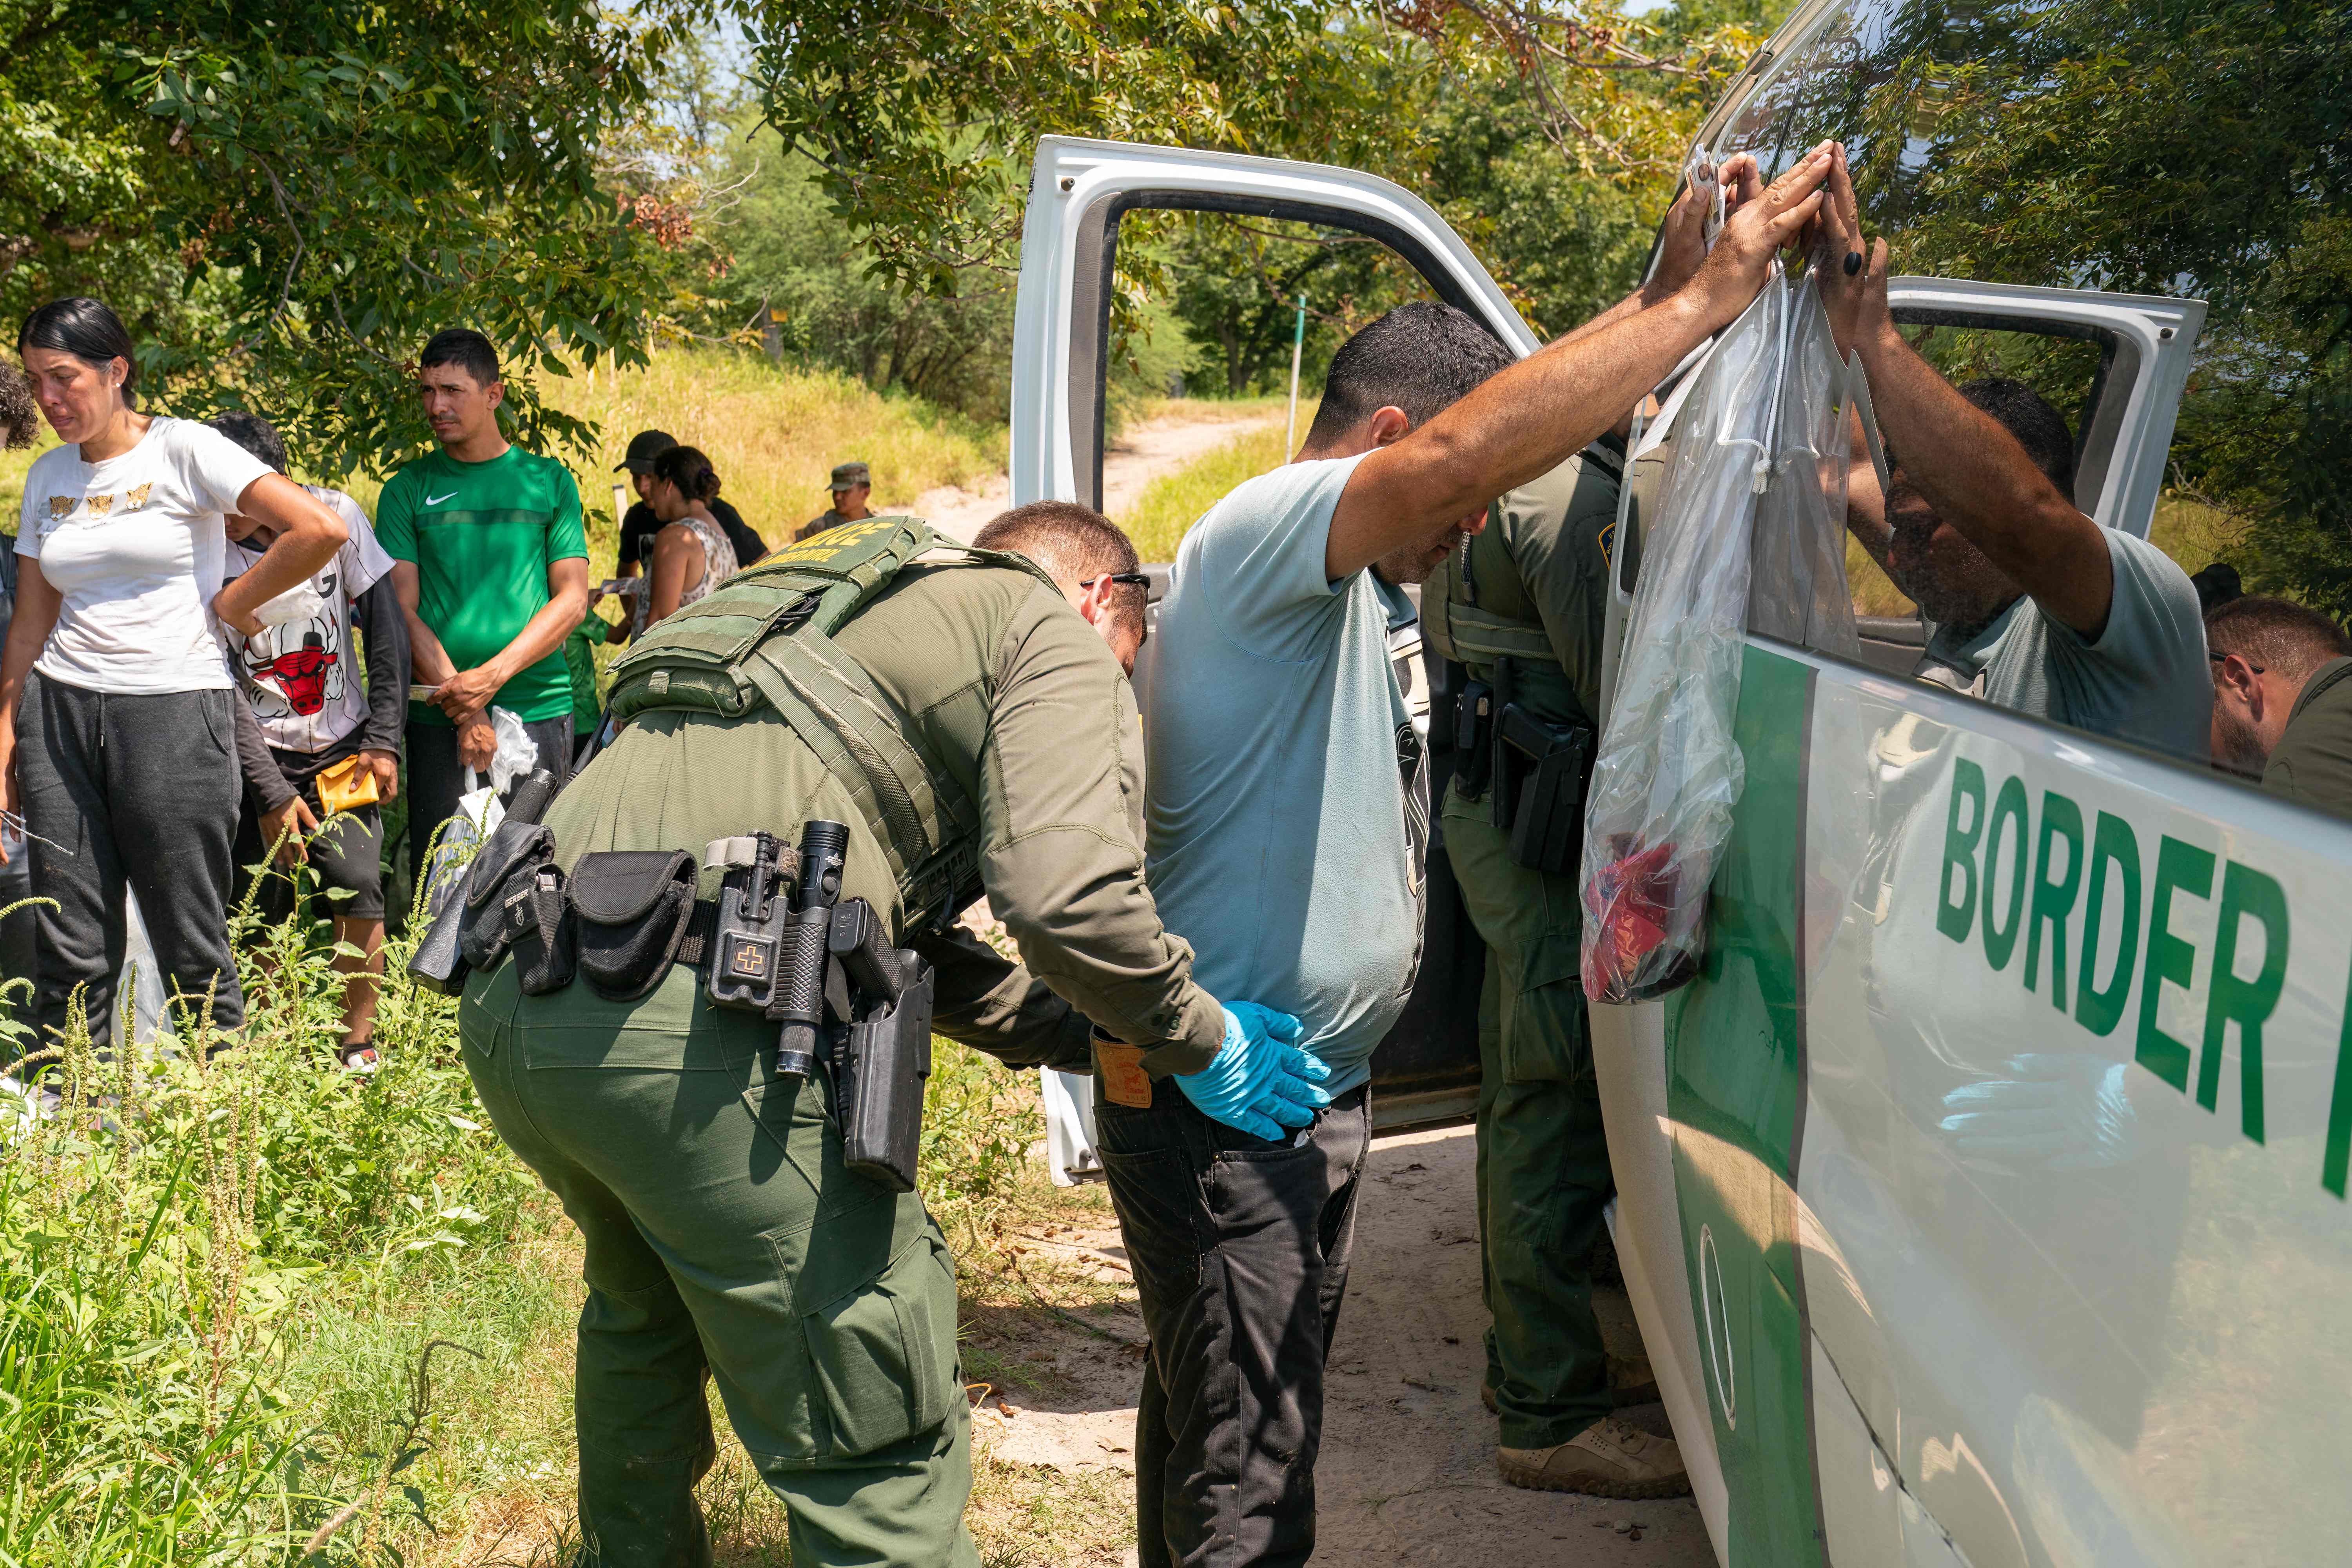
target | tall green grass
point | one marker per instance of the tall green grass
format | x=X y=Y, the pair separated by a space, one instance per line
x=165 y=1238
x=256 y=1311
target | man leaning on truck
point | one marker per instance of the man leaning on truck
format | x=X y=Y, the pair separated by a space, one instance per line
x=1279 y=845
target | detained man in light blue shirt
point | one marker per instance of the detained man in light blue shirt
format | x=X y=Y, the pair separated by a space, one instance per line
x=1277 y=846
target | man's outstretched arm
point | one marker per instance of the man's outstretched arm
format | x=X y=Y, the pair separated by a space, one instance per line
x=1528 y=419
x=1966 y=464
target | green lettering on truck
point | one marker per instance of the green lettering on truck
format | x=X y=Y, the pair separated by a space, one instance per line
x=2054 y=900
x=1953 y=920
x=2245 y=893
x=2181 y=868
x=2338 y=1156
x=2113 y=844
x=2008 y=812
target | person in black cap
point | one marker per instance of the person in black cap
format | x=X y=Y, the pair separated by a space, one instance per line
x=852 y=485
x=639 y=526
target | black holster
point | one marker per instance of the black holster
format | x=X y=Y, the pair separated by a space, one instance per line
x=1474 y=738
x=1540 y=771
x=881 y=1060
x=514 y=903
x=440 y=963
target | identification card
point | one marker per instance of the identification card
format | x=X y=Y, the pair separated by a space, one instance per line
x=1120 y=1067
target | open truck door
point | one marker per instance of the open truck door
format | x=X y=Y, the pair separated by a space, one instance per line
x=1427 y=1068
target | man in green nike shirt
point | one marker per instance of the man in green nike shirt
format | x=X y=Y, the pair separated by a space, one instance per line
x=490 y=562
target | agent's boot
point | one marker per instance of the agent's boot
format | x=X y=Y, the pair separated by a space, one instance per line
x=1608 y=1459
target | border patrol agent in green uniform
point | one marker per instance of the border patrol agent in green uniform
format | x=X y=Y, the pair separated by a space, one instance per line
x=971 y=731
x=1520 y=610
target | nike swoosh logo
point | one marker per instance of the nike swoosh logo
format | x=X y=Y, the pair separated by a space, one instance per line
x=437 y=500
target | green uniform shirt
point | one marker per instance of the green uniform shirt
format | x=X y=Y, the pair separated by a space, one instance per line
x=1541 y=564
x=2312 y=762
x=1014 y=704
x=482 y=537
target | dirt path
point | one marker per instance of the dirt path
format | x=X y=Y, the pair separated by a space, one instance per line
x=1407 y=1474
x=1142 y=453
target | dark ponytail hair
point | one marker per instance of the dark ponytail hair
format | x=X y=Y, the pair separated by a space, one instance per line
x=690 y=471
x=86 y=330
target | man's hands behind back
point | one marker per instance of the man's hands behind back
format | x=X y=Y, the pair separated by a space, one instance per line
x=1260 y=1081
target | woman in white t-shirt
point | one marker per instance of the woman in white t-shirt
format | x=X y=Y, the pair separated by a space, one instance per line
x=121 y=750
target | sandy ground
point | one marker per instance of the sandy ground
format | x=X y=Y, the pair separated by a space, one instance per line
x=1141 y=454
x=1407 y=1474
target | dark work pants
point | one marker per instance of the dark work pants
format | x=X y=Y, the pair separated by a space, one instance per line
x=1240 y=1251
x=1544 y=1179
x=436 y=778
x=143 y=791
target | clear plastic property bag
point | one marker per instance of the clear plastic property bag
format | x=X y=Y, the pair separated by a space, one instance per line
x=480 y=810
x=1798 y=590
x=1669 y=772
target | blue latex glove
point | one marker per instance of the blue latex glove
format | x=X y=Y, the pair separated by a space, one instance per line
x=2056 y=1111
x=1260 y=1081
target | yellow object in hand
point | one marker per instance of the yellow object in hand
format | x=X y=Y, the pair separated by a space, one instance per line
x=349 y=784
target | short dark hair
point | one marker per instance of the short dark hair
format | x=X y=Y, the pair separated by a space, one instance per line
x=85 y=329
x=1421 y=357
x=2039 y=428
x=20 y=418
x=690 y=471
x=2277 y=634
x=1073 y=543
x=465 y=348
x=254 y=434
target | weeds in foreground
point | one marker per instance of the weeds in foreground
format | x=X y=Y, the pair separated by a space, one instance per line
x=255 y=1310
x=162 y=1221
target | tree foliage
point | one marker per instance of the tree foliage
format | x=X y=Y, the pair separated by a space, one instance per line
x=2198 y=148
x=286 y=199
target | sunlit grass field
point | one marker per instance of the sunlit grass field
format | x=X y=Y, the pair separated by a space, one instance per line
x=773 y=432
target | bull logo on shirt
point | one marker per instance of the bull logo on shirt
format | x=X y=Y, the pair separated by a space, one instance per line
x=298 y=667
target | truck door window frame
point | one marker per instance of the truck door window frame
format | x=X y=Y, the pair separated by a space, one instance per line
x=1091 y=292
x=1079 y=189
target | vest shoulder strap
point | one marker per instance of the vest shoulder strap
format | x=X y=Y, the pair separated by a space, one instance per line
x=765 y=637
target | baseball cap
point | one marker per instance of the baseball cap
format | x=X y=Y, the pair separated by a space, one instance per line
x=849 y=476
x=643 y=447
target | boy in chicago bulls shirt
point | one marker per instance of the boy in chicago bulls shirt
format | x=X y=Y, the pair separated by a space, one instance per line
x=313 y=711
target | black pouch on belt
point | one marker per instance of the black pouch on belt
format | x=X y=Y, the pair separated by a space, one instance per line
x=630 y=908
x=498 y=887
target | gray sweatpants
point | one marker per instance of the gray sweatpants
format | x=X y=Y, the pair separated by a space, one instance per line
x=143 y=792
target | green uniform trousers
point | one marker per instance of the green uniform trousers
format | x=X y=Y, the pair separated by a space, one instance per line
x=724 y=1237
x=1543 y=1160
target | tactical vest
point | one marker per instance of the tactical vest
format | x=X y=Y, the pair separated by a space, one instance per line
x=1462 y=621
x=765 y=639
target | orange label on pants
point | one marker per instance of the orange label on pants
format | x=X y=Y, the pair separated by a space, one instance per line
x=1120 y=1067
